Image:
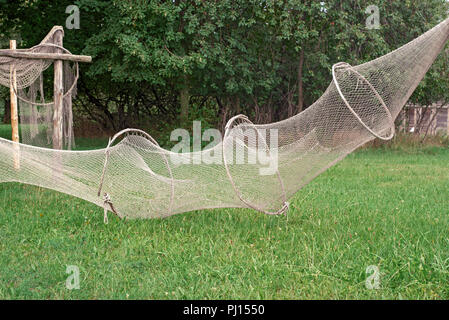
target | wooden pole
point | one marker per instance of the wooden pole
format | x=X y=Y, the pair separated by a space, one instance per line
x=14 y=110
x=58 y=96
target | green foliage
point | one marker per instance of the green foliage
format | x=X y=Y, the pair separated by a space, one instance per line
x=244 y=55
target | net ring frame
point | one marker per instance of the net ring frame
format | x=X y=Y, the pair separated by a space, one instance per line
x=75 y=80
x=151 y=140
x=347 y=66
x=228 y=129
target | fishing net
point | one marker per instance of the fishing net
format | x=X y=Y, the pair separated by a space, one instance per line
x=254 y=166
x=35 y=114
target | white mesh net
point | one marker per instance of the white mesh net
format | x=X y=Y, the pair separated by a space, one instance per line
x=136 y=178
x=36 y=115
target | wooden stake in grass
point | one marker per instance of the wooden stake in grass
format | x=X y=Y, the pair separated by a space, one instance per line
x=58 y=97
x=14 y=111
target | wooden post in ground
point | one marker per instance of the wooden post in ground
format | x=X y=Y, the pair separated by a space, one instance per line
x=55 y=36
x=58 y=96
x=14 y=110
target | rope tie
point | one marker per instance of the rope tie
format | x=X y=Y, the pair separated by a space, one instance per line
x=284 y=209
x=107 y=201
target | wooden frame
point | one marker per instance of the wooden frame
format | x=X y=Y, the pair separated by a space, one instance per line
x=57 y=34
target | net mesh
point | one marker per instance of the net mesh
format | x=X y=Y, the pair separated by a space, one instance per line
x=136 y=178
x=36 y=115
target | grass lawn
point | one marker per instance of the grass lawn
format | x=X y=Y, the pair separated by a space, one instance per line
x=378 y=207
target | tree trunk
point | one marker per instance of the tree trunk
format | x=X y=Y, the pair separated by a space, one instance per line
x=291 y=104
x=432 y=117
x=237 y=105
x=7 y=113
x=121 y=116
x=300 y=106
x=184 y=98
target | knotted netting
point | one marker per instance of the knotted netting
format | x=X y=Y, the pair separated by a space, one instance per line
x=35 y=111
x=254 y=166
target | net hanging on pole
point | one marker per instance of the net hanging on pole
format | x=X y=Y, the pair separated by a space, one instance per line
x=35 y=111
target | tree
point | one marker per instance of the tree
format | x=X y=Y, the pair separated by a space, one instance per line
x=165 y=61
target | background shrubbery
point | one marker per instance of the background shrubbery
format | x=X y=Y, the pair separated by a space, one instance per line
x=157 y=64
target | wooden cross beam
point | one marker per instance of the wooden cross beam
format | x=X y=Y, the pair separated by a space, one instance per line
x=44 y=56
x=56 y=31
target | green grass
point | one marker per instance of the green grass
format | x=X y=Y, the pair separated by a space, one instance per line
x=81 y=143
x=5 y=131
x=388 y=208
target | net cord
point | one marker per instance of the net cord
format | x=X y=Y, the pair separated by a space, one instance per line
x=69 y=91
x=347 y=66
x=228 y=129
x=150 y=139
